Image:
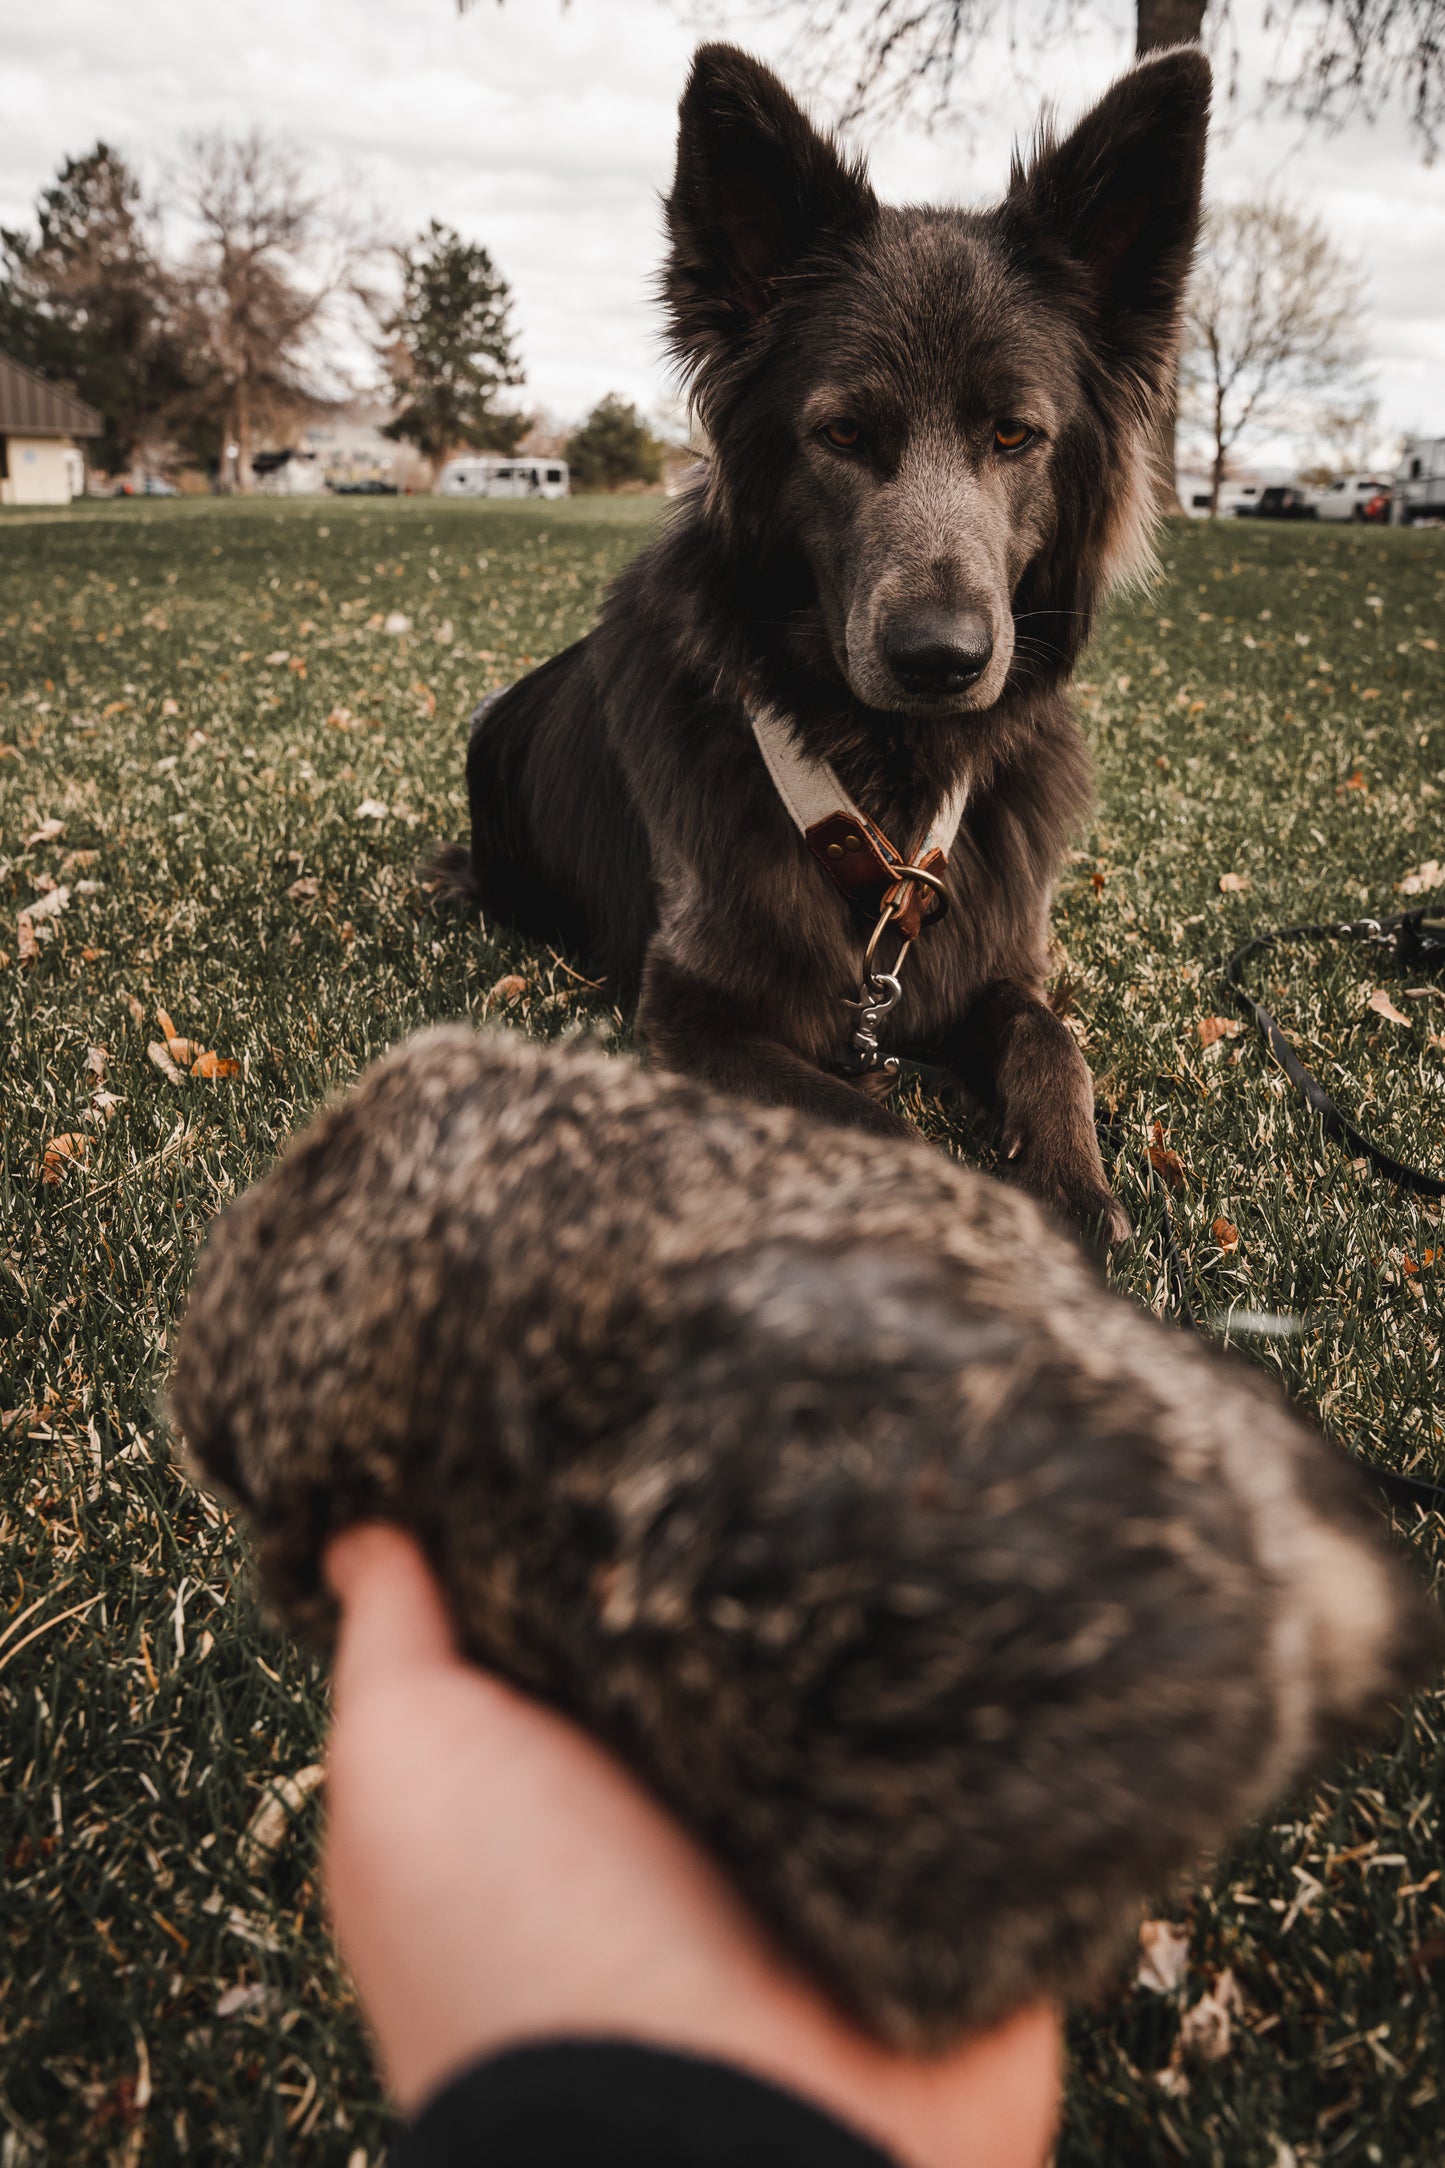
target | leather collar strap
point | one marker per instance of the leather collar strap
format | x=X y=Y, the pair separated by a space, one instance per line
x=852 y=850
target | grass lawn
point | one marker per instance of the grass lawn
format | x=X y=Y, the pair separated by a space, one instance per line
x=247 y=721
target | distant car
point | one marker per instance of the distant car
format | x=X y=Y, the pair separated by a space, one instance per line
x=1280 y=501
x=1234 y=498
x=372 y=487
x=1350 y=496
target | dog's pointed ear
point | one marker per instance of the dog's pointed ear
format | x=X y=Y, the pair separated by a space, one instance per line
x=757 y=188
x=1120 y=197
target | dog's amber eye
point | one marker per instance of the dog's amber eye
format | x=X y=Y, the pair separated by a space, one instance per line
x=844 y=436
x=1012 y=436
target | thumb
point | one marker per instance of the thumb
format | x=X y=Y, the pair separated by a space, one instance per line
x=393 y=1617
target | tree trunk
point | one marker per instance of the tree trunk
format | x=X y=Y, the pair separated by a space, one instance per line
x=243 y=435
x=1167 y=22
x=1157 y=23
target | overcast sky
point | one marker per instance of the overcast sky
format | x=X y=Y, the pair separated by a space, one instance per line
x=547 y=132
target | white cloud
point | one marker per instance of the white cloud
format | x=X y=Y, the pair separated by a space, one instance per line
x=547 y=133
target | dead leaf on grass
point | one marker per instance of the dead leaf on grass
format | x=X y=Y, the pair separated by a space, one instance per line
x=160 y=1055
x=372 y=809
x=1226 y=1234
x=212 y=1065
x=48 y=832
x=509 y=989
x=29 y=947
x=1212 y=1028
x=305 y=890
x=96 y=1058
x=1382 y=1005
x=1234 y=884
x=103 y=1105
x=1207 y=2028
x=285 y=1796
x=180 y=1050
x=1163 y=1956
x=1420 y=879
x=1168 y=1165
x=426 y=697
x=60 y=1152
x=137 y=1009
x=47 y=907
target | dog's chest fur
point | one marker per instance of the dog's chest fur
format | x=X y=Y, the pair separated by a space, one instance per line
x=741 y=901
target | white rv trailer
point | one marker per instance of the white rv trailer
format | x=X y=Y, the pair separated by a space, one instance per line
x=483 y=474
x=1419 y=481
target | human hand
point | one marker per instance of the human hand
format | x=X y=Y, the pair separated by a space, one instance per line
x=496 y=1877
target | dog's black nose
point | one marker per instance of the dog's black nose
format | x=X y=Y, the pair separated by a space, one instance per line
x=937 y=651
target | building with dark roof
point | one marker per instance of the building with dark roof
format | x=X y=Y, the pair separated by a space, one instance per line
x=40 y=458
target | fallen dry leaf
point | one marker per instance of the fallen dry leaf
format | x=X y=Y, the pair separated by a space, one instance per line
x=1234 y=884
x=1437 y=1040
x=211 y=1064
x=1165 y=1163
x=59 y=1152
x=1212 y=1028
x=509 y=989
x=1353 y=782
x=178 y=1048
x=1382 y=1005
x=426 y=697
x=305 y=890
x=47 y=832
x=29 y=947
x=170 y=707
x=1163 y=1956
x=1419 y=879
x=372 y=809
x=96 y=1058
x=103 y=1105
x=160 y=1055
x=285 y=1796
x=47 y=906
x=396 y=622
x=1226 y=1234
x=1206 y=2030
x=137 y=1009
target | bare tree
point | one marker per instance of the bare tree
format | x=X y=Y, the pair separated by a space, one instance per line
x=1339 y=57
x=273 y=260
x=1271 y=328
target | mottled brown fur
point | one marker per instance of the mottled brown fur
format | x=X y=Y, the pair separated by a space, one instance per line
x=617 y=797
x=953 y=1602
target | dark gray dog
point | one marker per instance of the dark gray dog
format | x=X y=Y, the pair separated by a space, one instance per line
x=932 y=439
x=954 y=1603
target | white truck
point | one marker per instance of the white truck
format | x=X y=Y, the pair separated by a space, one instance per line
x=482 y=474
x=1419 y=481
x=1349 y=495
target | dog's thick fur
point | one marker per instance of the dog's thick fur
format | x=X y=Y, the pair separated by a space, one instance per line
x=955 y=1603
x=618 y=799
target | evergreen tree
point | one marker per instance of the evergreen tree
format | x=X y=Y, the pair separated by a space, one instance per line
x=452 y=349
x=614 y=445
x=87 y=302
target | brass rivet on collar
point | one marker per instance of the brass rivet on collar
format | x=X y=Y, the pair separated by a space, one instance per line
x=835 y=850
x=852 y=843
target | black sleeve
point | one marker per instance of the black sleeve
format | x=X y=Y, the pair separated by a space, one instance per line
x=609 y=2104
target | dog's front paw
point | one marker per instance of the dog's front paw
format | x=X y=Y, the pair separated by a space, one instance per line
x=1076 y=1193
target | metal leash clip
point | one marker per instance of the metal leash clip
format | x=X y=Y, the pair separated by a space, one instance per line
x=880 y=991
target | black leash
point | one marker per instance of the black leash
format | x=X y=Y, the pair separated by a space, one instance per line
x=1418 y=943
